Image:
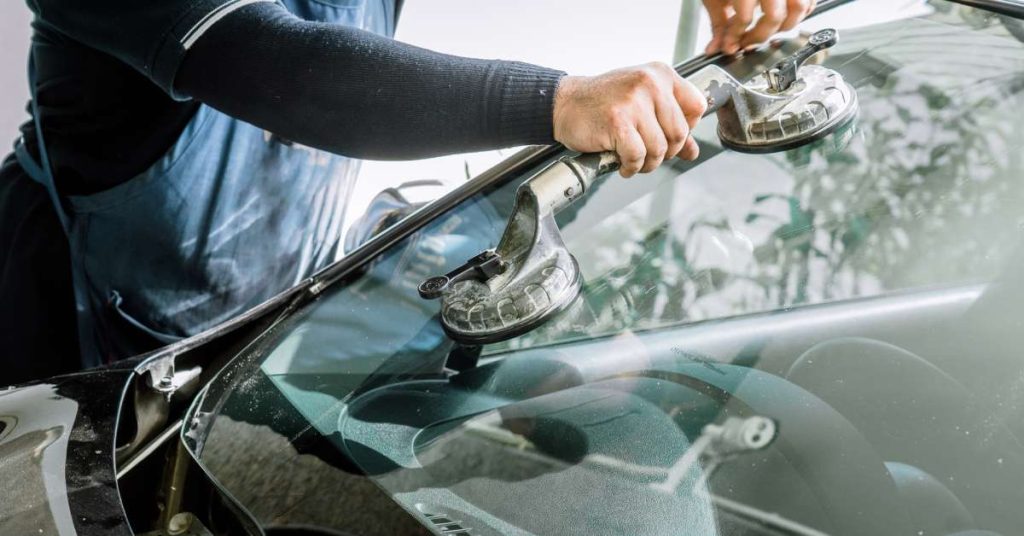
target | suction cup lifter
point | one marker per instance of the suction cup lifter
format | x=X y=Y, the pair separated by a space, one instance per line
x=531 y=276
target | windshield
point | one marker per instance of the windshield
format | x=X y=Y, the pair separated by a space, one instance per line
x=819 y=341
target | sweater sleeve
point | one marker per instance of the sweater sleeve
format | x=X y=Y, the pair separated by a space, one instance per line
x=358 y=94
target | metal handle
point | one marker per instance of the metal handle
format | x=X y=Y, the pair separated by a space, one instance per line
x=589 y=166
x=782 y=75
x=482 y=267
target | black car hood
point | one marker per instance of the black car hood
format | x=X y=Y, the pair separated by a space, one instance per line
x=57 y=455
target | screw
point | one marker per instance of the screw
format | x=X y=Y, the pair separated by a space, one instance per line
x=436 y=283
x=569 y=192
x=432 y=288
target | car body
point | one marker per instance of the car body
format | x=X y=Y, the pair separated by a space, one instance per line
x=858 y=299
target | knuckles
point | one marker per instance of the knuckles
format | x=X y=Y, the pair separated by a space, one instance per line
x=618 y=118
x=798 y=5
x=650 y=77
x=675 y=137
x=661 y=68
x=627 y=102
x=742 y=19
x=700 y=105
x=774 y=12
x=632 y=155
x=656 y=152
x=644 y=79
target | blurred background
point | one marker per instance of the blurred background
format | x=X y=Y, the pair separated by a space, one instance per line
x=536 y=31
x=14 y=36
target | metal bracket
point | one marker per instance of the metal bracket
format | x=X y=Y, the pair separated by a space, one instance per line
x=783 y=74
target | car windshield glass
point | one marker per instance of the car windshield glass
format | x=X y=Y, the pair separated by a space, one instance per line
x=824 y=340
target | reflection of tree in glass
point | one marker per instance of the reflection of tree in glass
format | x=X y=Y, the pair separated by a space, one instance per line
x=928 y=195
x=656 y=284
x=927 y=192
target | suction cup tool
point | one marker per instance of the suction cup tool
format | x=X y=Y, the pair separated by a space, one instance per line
x=790 y=105
x=531 y=276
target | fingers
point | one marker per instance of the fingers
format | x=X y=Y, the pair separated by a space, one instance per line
x=679 y=105
x=796 y=11
x=773 y=15
x=643 y=113
x=661 y=124
x=690 y=149
x=673 y=124
x=655 y=144
x=737 y=25
x=630 y=147
x=693 y=105
x=719 y=12
x=690 y=99
x=670 y=114
x=730 y=20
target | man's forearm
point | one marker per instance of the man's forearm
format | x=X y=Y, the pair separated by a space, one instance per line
x=361 y=95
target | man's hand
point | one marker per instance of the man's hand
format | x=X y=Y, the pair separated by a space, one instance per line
x=643 y=113
x=730 y=20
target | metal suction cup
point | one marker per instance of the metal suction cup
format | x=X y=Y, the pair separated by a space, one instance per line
x=782 y=110
x=531 y=276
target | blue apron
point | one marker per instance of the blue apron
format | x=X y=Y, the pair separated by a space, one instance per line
x=230 y=216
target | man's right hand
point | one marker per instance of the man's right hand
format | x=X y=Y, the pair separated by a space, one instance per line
x=643 y=113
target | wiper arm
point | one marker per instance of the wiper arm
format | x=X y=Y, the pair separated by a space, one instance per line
x=718 y=444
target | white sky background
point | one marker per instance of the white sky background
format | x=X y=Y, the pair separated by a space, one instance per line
x=14 y=37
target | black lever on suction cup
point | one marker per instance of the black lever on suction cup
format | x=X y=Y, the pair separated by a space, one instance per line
x=783 y=73
x=481 y=267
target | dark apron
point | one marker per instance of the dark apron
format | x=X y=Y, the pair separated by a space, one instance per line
x=230 y=216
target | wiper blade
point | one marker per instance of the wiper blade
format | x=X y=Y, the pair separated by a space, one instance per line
x=719 y=443
x=768 y=519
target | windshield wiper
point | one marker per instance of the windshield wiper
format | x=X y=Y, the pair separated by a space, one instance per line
x=720 y=443
x=717 y=444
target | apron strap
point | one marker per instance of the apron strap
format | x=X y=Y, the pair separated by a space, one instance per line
x=40 y=171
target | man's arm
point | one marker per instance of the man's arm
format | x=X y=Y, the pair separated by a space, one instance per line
x=359 y=94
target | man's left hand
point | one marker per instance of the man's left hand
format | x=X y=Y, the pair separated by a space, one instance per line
x=731 y=20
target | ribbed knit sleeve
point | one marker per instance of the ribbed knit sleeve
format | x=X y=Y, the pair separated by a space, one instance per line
x=362 y=95
x=526 y=104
